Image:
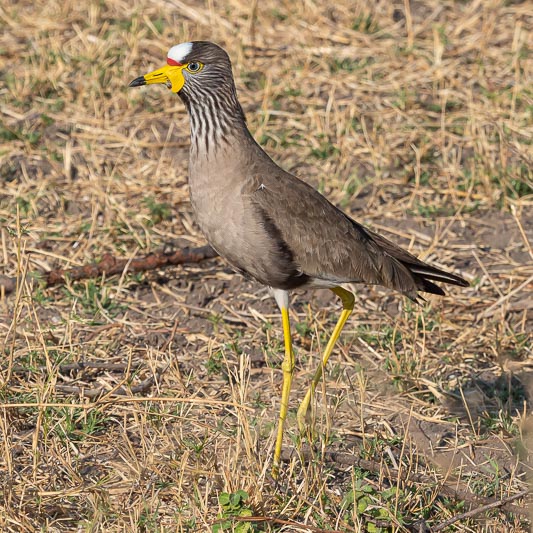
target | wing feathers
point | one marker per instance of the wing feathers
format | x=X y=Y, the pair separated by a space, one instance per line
x=329 y=247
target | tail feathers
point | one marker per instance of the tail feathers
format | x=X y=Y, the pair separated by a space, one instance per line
x=424 y=275
x=421 y=274
x=410 y=277
x=425 y=285
x=426 y=272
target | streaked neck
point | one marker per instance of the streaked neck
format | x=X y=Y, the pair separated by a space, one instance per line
x=217 y=119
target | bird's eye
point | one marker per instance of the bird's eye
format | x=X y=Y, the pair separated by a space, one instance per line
x=194 y=66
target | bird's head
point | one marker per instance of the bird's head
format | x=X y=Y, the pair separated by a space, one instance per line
x=189 y=66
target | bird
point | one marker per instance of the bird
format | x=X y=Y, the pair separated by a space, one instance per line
x=268 y=224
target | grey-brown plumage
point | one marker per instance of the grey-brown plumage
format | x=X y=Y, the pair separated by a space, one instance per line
x=267 y=223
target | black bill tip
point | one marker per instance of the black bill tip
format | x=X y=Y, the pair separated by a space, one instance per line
x=137 y=82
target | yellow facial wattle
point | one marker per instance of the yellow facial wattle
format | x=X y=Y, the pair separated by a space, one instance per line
x=171 y=75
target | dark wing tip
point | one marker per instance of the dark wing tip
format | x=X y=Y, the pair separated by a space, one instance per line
x=432 y=288
x=137 y=82
x=436 y=274
x=462 y=282
x=425 y=283
x=452 y=279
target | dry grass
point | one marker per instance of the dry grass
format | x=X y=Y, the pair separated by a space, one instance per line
x=413 y=116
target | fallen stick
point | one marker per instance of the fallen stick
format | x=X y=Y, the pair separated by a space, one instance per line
x=111 y=265
x=79 y=366
x=89 y=392
x=479 y=510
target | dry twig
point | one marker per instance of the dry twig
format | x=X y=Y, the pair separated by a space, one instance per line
x=496 y=504
x=110 y=265
x=101 y=391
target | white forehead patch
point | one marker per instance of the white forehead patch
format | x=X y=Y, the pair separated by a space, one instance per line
x=179 y=52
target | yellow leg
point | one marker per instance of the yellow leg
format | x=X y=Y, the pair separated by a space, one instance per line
x=288 y=368
x=347 y=305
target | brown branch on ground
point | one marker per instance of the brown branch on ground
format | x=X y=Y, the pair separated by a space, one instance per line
x=143 y=386
x=478 y=510
x=80 y=365
x=346 y=459
x=110 y=265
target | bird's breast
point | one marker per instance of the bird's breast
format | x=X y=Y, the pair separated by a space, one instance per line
x=234 y=227
x=221 y=211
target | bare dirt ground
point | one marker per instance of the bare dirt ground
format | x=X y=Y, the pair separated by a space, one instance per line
x=135 y=402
